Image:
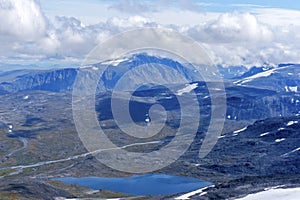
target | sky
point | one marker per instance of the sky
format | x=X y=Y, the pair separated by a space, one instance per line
x=248 y=33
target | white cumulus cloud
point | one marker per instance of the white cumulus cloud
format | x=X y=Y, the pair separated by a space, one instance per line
x=242 y=39
x=22 y=20
x=235 y=38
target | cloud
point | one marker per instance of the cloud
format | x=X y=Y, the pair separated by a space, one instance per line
x=23 y=25
x=26 y=33
x=68 y=37
x=277 y=16
x=76 y=39
x=242 y=39
x=21 y=20
x=230 y=38
x=231 y=27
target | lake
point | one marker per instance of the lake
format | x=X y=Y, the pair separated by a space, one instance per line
x=140 y=185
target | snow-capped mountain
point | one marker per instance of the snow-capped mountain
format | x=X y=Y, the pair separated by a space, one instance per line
x=285 y=78
x=255 y=94
x=253 y=71
x=61 y=80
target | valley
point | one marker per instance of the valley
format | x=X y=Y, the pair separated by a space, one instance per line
x=259 y=137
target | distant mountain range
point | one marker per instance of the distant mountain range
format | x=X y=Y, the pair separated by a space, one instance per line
x=257 y=93
x=285 y=77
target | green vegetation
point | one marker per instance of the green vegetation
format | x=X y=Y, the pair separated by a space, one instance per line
x=84 y=192
x=6 y=172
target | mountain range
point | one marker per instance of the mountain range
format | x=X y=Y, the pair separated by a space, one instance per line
x=257 y=93
x=258 y=147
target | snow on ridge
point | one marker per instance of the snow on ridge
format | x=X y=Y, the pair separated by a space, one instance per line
x=84 y=67
x=187 y=89
x=262 y=74
x=275 y=187
x=193 y=193
x=240 y=130
x=275 y=194
x=286 y=154
x=298 y=149
x=115 y=62
x=266 y=73
x=89 y=67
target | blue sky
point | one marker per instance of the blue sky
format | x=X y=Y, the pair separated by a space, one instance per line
x=287 y=4
x=92 y=11
x=211 y=5
x=233 y=33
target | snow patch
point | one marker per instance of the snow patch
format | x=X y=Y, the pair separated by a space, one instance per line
x=264 y=134
x=115 y=62
x=85 y=67
x=193 y=193
x=298 y=149
x=280 y=140
x=203 y=193
x=291 y=88
x=259 y=75
x=275 y=187
x=275 y=194
x=187 y=89
x=290 y=123
x=241 y=130
x=295 y=150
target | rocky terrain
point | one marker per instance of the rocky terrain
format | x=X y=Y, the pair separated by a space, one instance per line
x=258 y=148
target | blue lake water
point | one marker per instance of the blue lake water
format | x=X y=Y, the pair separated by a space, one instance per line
x=139 y=185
